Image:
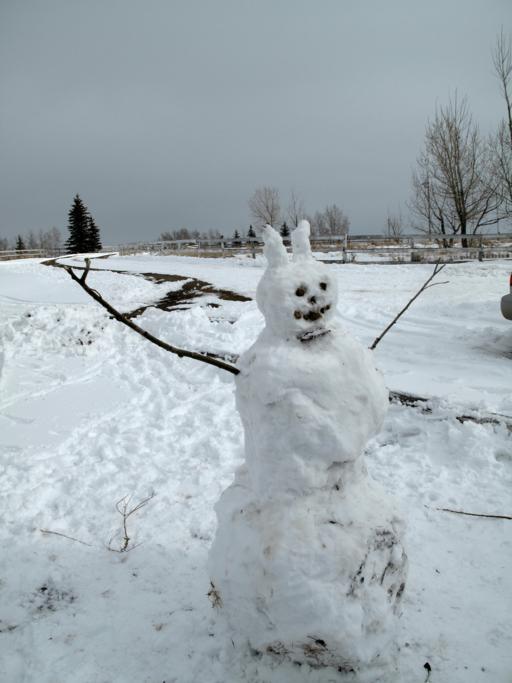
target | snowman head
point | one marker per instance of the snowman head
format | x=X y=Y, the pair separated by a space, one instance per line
x=297 y=298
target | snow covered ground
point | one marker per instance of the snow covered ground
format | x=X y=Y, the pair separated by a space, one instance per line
x=90 y=413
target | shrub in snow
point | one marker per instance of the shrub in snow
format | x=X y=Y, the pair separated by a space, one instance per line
x=307 y=560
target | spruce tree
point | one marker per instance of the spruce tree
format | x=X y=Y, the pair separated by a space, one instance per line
x=251 y=234
x=285 y=233
x=93 y=241
x=78 y=225
x=20 y=244
x=236 y=238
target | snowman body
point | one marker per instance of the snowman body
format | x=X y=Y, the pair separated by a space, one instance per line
x=307 y=559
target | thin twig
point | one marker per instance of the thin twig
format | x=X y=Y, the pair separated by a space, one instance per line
x=57 y=533
x=122 y=508
x=182 y=353
x=473 y=514
x=438 y=268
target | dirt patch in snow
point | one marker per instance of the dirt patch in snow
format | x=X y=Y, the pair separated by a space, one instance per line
x=176 y=300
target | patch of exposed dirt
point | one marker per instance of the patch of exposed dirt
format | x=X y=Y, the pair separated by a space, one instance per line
x=176 y=300
x=191 y=290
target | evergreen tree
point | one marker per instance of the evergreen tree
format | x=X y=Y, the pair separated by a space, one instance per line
x=20 y=244
x=236 y=238
x=251 y=234
x=93 y=241
x=78 y=226
x=285 y=233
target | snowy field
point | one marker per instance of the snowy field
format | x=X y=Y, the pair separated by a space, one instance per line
x=91 y=413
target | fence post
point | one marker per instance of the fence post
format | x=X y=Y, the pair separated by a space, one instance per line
x=481 y=249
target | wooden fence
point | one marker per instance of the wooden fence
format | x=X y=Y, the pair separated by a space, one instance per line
x=341 y=248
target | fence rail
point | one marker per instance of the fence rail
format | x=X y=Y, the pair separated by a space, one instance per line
x=346 y=248
x=10 y=254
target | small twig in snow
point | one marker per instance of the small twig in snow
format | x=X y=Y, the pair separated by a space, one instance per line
x=214 y=596
x=122 y=508
x=57 y=533
x=473 y=514
x=438 y=268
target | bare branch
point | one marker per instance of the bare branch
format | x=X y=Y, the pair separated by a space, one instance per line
x=502 y=61
x=122 y=508
x=86 y=270
x=296 y=210
x=473 y=514
x=434 y=284
x=454 y=188
x=438 y=268
x=182 y=353
x=47 y=532
x=264 y=206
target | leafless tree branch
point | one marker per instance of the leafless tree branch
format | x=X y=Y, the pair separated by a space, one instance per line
x=122 y=508
x=395 y=226
x=47 y=532
x=455 y=189
x=437 y=269
x=501 y=144
x=182 y=353
x=264 y=206
x=473 y=514
x=296 y=210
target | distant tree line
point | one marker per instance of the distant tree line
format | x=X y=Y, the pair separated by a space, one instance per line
x=84 y=234
x=179 y=234
x=265 y=208
x=47 y=240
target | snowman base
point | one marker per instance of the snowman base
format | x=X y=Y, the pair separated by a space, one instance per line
x=315 y=579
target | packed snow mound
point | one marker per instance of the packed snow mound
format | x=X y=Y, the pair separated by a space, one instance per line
x=317 y=578
x=308 y=408
x=307 y=562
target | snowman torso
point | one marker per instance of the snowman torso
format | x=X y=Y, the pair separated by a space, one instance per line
x=308 y=408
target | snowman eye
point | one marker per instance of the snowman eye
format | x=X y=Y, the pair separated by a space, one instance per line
x=300 y=291
x=323 y=285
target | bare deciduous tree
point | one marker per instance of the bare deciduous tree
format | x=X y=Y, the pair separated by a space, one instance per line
x=336 y=222
x=50 y=240
x=264 y=206
x=181 y=234
x=296 y=211
x=502 y=143
x=433 y=212
x=32 y=242
x=317 y=223
x=330 y=221
x=454 y=190
x=395 y=226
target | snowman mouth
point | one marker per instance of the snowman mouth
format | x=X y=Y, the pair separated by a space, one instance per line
x=311 y=316
x=310 y=335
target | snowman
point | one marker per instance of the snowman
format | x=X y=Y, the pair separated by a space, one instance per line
x=307 y=563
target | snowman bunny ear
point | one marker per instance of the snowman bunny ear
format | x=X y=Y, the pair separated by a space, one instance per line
x=300 y=242
x=274 y=249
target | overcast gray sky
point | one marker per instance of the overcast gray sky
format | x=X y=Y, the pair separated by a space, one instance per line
x=169 y=113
